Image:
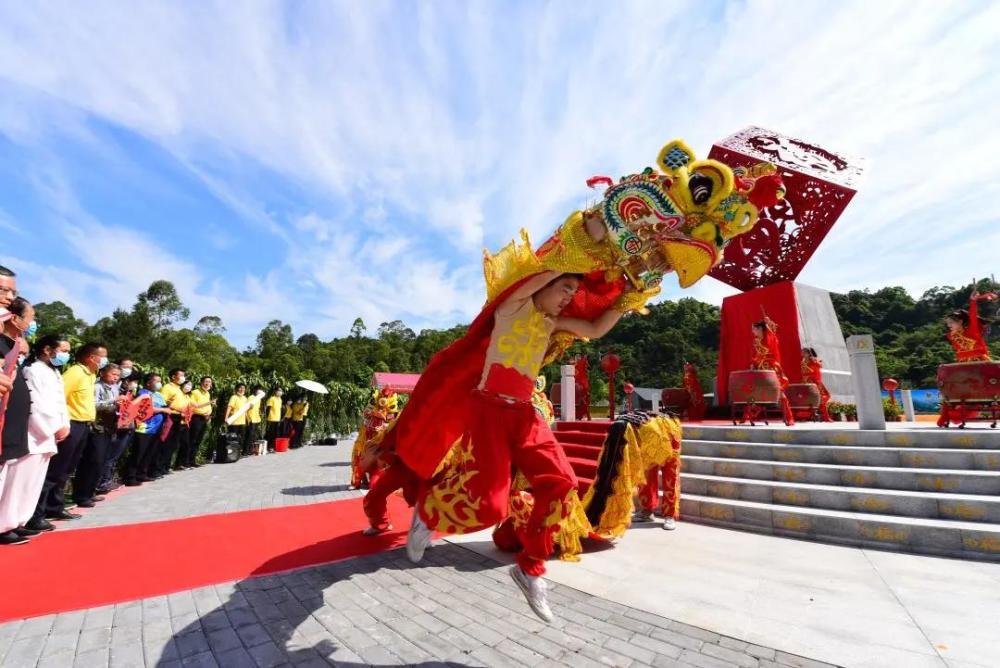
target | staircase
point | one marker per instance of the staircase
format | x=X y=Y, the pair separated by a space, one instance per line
x=582 y=442
x=926 y=491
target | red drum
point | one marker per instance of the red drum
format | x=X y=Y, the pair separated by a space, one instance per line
x=803 y=395
x=758 y=386
x=675 y=397
x=969 y=381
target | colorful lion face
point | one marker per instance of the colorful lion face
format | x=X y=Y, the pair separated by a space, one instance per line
x=381 y=410
x=681 y=217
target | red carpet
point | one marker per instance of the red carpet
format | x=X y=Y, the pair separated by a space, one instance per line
x=85 y=568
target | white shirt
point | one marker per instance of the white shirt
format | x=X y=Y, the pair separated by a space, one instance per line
x=48 y=407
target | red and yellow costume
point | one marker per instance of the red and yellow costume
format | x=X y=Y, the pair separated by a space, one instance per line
x=660 y=445
x=767 y=355
x=470 y=417
x=970 y=346
x=812 y=372
x=379 y=414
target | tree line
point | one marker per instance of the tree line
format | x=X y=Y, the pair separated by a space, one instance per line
x=908 y=332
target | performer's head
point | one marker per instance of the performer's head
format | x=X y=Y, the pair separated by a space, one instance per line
x=809 y=354
x=554 y=297
x=758 y=329
x=241 y=389
x=206 y=383
x=957 y=321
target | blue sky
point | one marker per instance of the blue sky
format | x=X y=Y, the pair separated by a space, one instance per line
x=315 y=162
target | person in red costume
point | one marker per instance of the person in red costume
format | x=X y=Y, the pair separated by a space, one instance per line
x=965 y=334
x=812 y=372
x=693 y=387
x=767 y=355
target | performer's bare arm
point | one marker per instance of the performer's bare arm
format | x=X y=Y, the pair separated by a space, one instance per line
x=590 y=329
x=533 y=285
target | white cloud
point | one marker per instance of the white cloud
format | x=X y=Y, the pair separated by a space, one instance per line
x=421 y=133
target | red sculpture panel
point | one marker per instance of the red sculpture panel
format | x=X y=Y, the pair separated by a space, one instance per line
x=819 y=185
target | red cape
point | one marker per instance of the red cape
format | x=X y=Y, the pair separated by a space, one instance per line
x=436 y=414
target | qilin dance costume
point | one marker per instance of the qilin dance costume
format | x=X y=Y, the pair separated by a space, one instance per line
x=470 y=418
x=381 y=410
x=812 y=372
x=966 y=337
x=766 y=354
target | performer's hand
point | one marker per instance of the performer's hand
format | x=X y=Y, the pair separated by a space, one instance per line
x=5 y=384
x=62 y=434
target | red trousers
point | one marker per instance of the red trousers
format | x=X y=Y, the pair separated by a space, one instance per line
x=473 y=491
x=649 y=493
x=752 y=412
x=383 y=483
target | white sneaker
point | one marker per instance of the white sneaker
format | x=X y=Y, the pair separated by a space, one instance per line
x=669 y=523
x=374 y=531
x=534 y=589
x=417 y=539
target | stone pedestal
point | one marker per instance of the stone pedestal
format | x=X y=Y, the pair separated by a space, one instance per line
x=908 y=413
x=867 y=388
x=567 y=396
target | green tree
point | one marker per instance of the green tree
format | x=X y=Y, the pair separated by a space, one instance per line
x=58 y=318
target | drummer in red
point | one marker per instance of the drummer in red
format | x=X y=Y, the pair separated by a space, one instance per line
x=766 y=354
x=965 y=334
x=812 y=372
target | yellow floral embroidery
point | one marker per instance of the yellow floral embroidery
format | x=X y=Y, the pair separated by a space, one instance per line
x=524 y=346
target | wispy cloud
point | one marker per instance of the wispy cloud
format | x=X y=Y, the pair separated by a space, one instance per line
x=366 y=151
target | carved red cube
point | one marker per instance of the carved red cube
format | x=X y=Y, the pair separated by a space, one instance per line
x=819 y=185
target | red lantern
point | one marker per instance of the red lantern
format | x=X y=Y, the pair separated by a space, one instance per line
x=890 y=385
x=610 y=363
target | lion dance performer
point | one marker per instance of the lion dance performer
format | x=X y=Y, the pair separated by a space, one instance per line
x=767 y=355
x=381 y=410
x=965 y=334
x=812 y=372
x=470 y=417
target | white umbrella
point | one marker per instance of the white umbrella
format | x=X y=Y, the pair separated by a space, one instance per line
x=312 y=386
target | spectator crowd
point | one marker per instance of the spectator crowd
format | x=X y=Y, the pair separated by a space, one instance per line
x=71 y=419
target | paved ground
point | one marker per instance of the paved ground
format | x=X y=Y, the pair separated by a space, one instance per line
x=458 y=607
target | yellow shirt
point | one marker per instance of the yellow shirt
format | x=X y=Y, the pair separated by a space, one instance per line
x=170 y=392
x=200 y=396
x=288 y=412
x=253 y=413
x=235 y=403
x=274 y=409
x=181 y=401
x=78 y=382
x=299 y=411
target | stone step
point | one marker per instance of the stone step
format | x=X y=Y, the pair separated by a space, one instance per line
x=590 y=426
x=934 y=505
x=582 y=437
x=949 y=538
x=927 y=480
x=591 y=452
x=585 y=468
x=979 y=437
x=934 y=458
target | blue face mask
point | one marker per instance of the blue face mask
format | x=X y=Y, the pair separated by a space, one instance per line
x=126 y=371
x=103 y=363
x=20 y=359
x=157 y=387
x=60 y=358
x=32 y=329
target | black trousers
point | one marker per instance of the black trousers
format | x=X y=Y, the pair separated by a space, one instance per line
x=91 y=466
x=184 y=445
x=61 y=467
x=273 y=432
x=252 y=435
x=199 y=424
x=299 y=426
x=140 y=456
x=168 y=447
x=241 y=431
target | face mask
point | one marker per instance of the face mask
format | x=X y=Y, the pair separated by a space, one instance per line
x=126 y=371
x=180 y=380
x=20 y=359
x=32 y=329
x=60 y=358
x=186 y=388
x=103 y=363
x=157 y=387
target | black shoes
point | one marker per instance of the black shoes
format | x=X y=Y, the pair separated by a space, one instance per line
x=63 y=515
x=86 y=503
x=11 y=538
x=40 y=525
x=25 y=532
x=132 y=483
